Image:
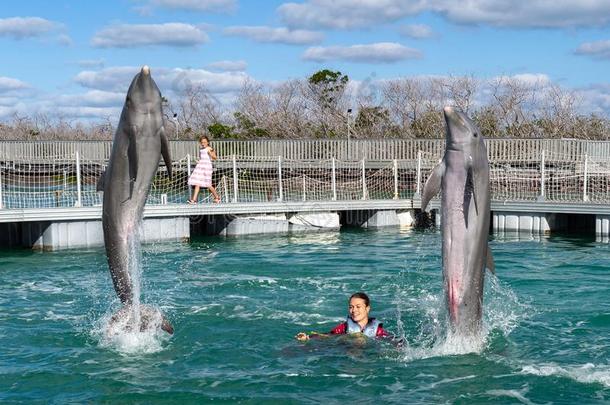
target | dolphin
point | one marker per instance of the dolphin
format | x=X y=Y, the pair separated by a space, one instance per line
x=138 y=143
x=462 y=176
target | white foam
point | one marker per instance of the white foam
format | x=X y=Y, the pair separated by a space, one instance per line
x=518 y=395
x=117 y=336
x=587 y=373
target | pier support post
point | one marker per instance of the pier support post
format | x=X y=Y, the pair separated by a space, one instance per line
x=188 y=173
x=279 y=179
x=334 y=180
x=541 y=197
x=585 y=196
x=418 y=176
x=79 y=201
x=235 y=190
x=1 y=195
x=395 y=179
x=364 y=191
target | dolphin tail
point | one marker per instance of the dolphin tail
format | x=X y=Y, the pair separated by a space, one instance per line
x=149 y=318
x=165 y=152
x=433 y=184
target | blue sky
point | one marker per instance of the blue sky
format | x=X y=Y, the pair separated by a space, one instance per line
x=75 y=59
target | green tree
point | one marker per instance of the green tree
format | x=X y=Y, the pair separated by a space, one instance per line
x=220 y=131
x=328 y=86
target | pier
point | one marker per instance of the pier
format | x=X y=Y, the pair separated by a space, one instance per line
x=48 y=198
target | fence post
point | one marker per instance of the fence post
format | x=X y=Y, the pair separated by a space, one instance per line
x=279 y=177
x=395 y=179
x=304 y=188
x=418 y=176
x=334 y=181
x=363 y=181
x=1 y=196
x=79 y=201
x=188 y=173
x=585 y=196
x=234 y=179
x=541 y=197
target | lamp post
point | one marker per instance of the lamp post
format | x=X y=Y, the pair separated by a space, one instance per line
x=348 y=116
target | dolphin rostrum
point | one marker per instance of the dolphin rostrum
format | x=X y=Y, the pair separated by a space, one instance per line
x=462 y=176
x=138 y=144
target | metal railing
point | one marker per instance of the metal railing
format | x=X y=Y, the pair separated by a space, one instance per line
x=314 y=149
x=560 y=175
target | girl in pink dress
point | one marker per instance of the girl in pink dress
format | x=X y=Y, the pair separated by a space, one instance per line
x=202 y=175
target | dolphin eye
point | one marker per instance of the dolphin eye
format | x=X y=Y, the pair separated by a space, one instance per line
x=475 y=134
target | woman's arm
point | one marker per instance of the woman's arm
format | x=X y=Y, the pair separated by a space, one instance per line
x=212 y=153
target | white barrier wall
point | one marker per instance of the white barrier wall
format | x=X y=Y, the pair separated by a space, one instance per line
x=87 y=234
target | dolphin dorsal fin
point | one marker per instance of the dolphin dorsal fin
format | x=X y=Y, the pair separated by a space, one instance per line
x=433 y=184
x=490 y=264
x=132 y=157
x=165 y=151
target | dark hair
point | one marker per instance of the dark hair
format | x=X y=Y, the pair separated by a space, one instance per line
x=204 y=137
x=362 y=296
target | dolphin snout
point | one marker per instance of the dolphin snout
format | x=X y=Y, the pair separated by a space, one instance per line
x=145 y=70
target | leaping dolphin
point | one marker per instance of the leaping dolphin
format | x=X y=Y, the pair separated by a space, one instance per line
x=137 y=146
x=462 y=176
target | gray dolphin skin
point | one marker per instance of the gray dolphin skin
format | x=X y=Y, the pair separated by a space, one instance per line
x=463 y=179
x=137 y=146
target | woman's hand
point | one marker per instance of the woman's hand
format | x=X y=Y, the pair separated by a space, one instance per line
x=302 y=337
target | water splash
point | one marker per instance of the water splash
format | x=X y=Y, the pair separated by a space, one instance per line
x=134 y=328
x=432 y=337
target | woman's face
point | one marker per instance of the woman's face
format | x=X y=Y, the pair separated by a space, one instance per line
x=358 y=310
x=204 y=142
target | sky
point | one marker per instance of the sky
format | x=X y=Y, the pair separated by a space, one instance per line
x=75 y=59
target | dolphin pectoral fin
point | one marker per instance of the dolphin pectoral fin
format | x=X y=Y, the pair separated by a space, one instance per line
x=132 y=156
x=433 y=184
x=490 y=264
x=101 y=182
x=165 y=152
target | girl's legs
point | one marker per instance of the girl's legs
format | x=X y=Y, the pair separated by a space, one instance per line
x=195 y=194
x=214 y=194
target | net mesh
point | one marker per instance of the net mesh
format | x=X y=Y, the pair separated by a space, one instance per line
x=65 y=182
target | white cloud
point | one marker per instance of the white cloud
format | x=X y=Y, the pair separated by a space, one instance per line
x=595 y=99
x=347 y=14
x=533 y=13
x=91 y=63
x=174 y=80
x=196 y=5
x=382 y=52
x=417 y=31
x=229 y=65
x=8 y=84
x=27 y=27
x=597 y=49
x=531 y=80
x=109 y=79
x=130 y=36
x=280 y=35
x=350 y=14
x=92 y=98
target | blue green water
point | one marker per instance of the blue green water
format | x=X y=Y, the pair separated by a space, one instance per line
x=237 y=303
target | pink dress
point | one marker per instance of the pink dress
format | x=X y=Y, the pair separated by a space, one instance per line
x=202 y=175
